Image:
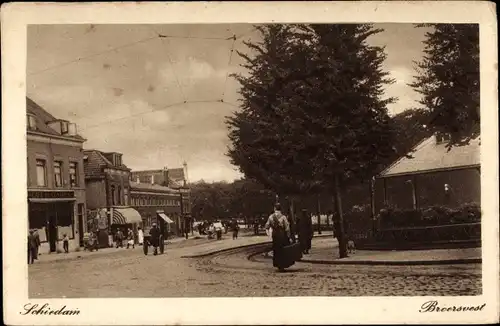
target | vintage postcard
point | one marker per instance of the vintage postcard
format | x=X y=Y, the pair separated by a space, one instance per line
x=250 y=163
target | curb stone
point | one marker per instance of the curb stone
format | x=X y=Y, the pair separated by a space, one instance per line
x=395 y=262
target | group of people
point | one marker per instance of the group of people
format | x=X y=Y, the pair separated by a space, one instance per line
x=284 y=253
x=130 y=237
x=34 y=245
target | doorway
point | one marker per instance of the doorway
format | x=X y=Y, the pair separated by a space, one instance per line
x=52 y=231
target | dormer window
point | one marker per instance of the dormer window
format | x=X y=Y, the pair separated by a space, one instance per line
x=64 y=127
x=31 y=121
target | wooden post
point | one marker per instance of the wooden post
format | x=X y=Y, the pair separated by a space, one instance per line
x=415 y=193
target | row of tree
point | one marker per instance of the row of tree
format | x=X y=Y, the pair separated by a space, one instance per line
x=314 y=117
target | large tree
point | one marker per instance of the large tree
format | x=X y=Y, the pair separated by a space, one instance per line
x=448 y=79
x=313 y=113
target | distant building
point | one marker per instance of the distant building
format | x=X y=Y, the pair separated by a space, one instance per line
x=157 y=204
x=56 y=180
x=173 y=178
x=170 y=179
x=108 y=189
x=433 y=176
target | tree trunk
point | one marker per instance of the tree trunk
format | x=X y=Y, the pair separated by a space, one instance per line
x=319 y=215
x=340 y=220
x=292 y=218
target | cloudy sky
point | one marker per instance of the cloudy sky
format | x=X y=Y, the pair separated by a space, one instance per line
x=125 y=87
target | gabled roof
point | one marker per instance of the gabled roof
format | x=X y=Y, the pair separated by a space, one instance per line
x=428 y=156
x=95 y=161
x=43 y=118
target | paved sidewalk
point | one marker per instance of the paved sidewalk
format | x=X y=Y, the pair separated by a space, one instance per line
x=325 y=251
x=178 y=242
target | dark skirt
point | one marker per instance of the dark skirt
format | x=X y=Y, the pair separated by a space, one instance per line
x=280 y=258
x=305 y=241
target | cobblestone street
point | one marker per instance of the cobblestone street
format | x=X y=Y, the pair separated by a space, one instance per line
x=131 y=274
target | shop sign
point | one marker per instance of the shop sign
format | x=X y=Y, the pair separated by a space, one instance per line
x=51 y=194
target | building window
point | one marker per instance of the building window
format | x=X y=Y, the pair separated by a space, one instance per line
x=73 y=174
x=113 y=196
x=125 y=196
x=31 y=121
x=41 y=173
x=57 y=174
x=120 y=202
x=64 y=127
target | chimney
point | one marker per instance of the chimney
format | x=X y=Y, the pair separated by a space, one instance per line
x=186 y=180
x=165 y=177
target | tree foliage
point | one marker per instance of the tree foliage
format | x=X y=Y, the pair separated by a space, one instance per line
x=313 y=110
x=448 y=79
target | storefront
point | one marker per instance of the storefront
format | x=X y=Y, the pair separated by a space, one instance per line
x=125 y=218
x=52 y=214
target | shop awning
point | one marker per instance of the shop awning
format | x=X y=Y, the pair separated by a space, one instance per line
x=126 y=216
x=165 y=218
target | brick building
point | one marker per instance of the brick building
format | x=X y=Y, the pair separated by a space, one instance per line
x=433 y=176
x=108 y=188
x=56 y=181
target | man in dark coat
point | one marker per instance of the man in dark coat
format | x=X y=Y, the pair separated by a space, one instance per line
x=32 y=247
x=154 y=234
x=305 y=231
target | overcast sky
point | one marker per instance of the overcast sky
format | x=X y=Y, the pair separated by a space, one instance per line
x=121 y=83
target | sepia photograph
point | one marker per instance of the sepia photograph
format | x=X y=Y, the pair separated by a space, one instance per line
x=266 y=159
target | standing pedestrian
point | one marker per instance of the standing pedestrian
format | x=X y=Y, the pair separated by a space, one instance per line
x=32 y=252
x=235 y=228
x=37 y=241
x=65 y=243
x=130 y=239
x=305 y=231
x=281 y=238
x=154 y=234
x=140 y=236
x=119 y=238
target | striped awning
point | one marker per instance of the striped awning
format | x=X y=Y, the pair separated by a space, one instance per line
x=165 y=218
x=126 y=216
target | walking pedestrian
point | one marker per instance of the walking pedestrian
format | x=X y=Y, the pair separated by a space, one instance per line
x=65 y=243
x=281 y=238
x=305 y=231
x=140 y=236
x=130 y=239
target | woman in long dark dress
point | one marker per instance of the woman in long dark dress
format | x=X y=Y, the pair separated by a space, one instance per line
x=305 y=232
x=281 y=238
